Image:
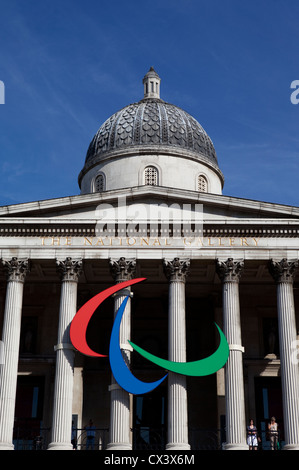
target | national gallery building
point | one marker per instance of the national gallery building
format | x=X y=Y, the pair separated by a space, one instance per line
x=150 y=207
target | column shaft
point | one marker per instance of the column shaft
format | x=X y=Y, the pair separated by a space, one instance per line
x=63 y=391
x=229 y=271
x=176 y=270
x=283 y=272
x=120 y=413
x=11 y=341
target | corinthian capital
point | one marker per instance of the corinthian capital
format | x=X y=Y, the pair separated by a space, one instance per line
x=16 y=269
x=122 y=269
x=229 y=270
x=69 y=269
x=176 y=269
x=283 y=270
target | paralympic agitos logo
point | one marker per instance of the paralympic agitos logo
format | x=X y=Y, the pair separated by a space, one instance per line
x=120 y=370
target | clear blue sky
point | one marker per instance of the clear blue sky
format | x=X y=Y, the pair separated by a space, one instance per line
x=68 y=65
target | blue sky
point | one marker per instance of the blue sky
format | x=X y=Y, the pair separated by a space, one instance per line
x=68 y=65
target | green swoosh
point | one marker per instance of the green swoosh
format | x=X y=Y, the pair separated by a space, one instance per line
x=202 y=367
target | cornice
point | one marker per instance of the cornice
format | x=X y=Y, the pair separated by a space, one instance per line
x=43 y=227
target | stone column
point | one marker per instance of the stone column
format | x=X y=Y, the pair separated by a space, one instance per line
x=70 y=271
x=16 y=270
x=176 y=271
x=120 y=419
x=283 y=273
x=229 y=272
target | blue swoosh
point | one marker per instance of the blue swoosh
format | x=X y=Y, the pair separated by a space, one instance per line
x=121 y=372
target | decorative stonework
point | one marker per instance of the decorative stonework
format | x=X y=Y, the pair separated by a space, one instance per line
x=284 y=270
x=122 y=269
x=16 y=269
x=69 y=269
x=176 y=269
x=229 y=270
x=76 y=234
x=151 y=122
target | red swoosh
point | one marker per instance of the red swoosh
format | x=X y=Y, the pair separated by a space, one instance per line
x=80 y=322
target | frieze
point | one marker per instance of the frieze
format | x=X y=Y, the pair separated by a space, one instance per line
x=191 y=242
x=88 y=240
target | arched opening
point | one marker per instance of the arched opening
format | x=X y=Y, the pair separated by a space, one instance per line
x=151 y=176
x=99 y=183
x=202 y=184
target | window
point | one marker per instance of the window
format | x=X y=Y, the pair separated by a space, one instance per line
x=99 y=183
x=28 y=338
x=151 y=176
x=202 y=184
x=270 y=336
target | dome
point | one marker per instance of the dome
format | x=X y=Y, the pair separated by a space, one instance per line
x=151 y=122
x=150 y=126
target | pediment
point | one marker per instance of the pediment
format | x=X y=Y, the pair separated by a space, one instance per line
x=215 y=207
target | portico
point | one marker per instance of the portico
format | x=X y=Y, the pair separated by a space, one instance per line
x=225 y=273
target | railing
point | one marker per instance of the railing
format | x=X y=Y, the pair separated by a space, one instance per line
x=205 y=439
x=270 y=441
x=31 y=438
x=144 y=438
x=97 y=442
